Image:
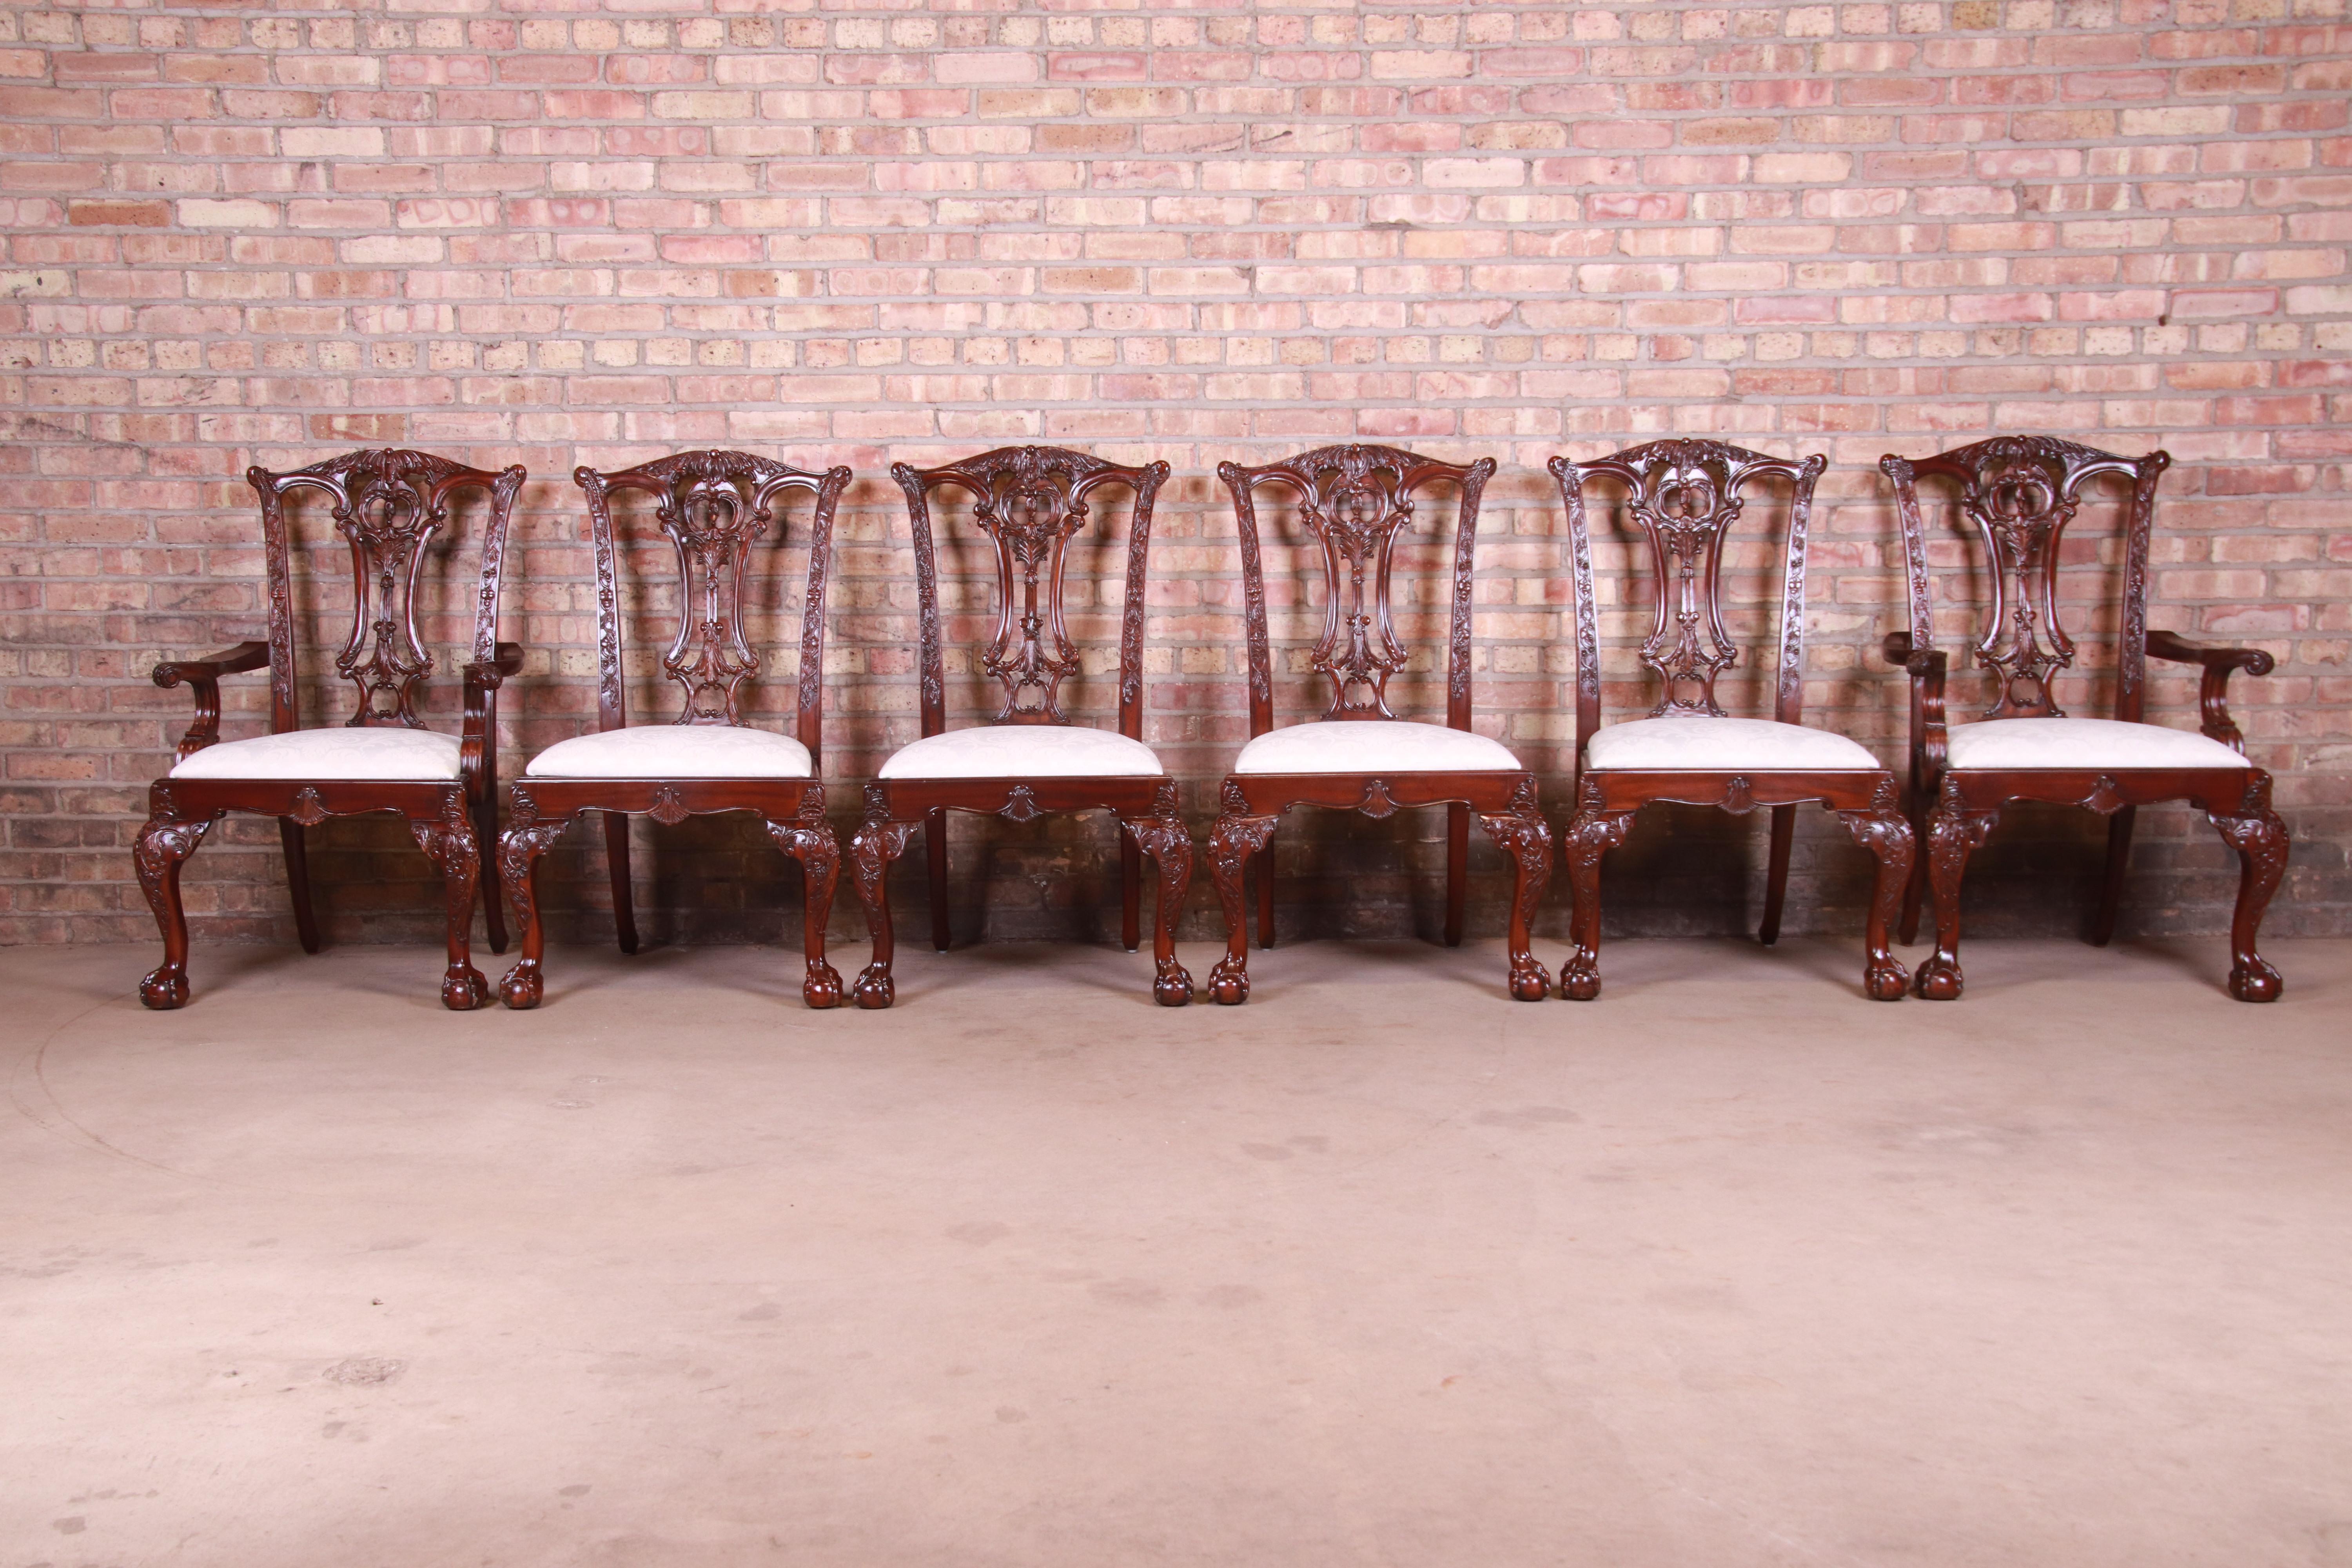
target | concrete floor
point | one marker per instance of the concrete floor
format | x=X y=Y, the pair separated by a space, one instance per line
x=1731 y=1268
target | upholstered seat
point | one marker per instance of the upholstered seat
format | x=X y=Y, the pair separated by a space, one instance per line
x=1373 y=746
x=1704 y=742
x=1024 y=751
x=341 y=754
x=675 y=751
x=2102 y=743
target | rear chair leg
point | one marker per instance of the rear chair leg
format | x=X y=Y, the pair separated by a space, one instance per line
x=298 y=882
x=1776 y=875
x=935 y=853
x=624 y=901
x=1457 y=870
x=2111 y=889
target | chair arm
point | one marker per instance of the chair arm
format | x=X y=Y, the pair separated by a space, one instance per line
x=1926 y=667
x=478 y=751
x=2213 y=690
x=202 y=677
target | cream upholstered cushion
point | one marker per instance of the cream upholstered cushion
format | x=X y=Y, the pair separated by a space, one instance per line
x=1373 y=746
x=675 y=751
x=342 y=752
x=1688 y=743
x=1024 y=751
x=2084 y=743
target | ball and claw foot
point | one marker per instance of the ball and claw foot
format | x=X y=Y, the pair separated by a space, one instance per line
x=2257 y=981
x=874 y=989
x=822 y=988
x=1228 y=983
x=166 y=989
x=1885 y=982
x=1939 y=981
x=1172 y=987
x=463 y=990
x=1581 y=980
x=1530 y=983
x=522 y=988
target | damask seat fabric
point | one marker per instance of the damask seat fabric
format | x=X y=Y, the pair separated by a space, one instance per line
x=2102 y=743
x=1024 y=751
x=675 y=751
x=1374 y=746
x=1701 y=742
x=337 y=754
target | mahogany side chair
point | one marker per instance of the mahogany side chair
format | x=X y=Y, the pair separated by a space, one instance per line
x=1030 y=501
x=1683 y=496
x=388 y=505
x=713 y=506
x=2017 y=496
x=1357 y=755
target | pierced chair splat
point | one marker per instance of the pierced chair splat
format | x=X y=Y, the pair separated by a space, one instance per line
x=1356 y=500
x=714 y=507
x=387 y=505
x=2017 y=496
x=1684 y=497
x=1030 y=759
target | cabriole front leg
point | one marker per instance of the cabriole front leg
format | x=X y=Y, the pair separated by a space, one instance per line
x=449 y=843
x=2259 y=837
x=1887 y=833
x=1231 y=844
x=519 y=851
x=164 y=846
x=872 y=848
x=1170 y=849
x=1592 y=834
x=1526 y=837
x=809 y=840
x=1954 y=834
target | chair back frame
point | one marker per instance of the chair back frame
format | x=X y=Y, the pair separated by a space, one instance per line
x=1031 y=502
x=1356 y=500
x=387 y=503
x=713 y=506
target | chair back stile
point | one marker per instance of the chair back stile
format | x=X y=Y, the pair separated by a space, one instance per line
x=713 y=507
x=388 y=504
x=1030 y=503
x=1356 y=500
x=2019 y=493
x=1684 y=496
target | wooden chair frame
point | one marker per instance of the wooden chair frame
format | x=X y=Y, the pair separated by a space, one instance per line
x=387 y=505
x=1356 y=500
x=713 y=506
x=1030 y=501
x=2019 y=493
x=1683 y=496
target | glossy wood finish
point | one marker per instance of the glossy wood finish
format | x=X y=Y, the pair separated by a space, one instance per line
x=1683 y=496
x=714 y=507
x=1029 y=502
x=1355 y=500
x=388 y=505
x=2017 y=495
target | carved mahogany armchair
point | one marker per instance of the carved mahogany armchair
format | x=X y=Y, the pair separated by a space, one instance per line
x=1031 y=758
x=2018 y=493
x=1359 y=755
x=387 y=505
x=1684 y=496
x=713 y=507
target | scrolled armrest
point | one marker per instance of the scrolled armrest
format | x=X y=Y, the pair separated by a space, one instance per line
x=2214 y=690
x=478 y=751
x=1928 y=662
x=203 y=677
x=491 y=673
x=1926 y=667
x=2174 y=648
x=244 y=656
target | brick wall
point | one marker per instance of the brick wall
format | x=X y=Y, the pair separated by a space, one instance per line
x=854 y=234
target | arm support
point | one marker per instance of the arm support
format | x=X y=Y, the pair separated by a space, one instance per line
x=202 y=677
x=2213 y=693
x=478 y=756
x=1926 y=667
